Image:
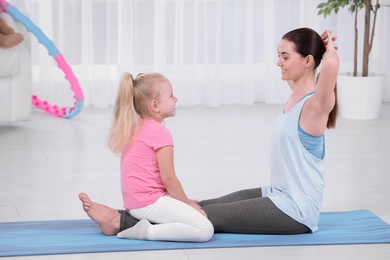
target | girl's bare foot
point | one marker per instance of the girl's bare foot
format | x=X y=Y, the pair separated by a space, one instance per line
x=107 y=218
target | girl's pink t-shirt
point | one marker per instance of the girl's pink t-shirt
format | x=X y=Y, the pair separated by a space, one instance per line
x=140 y=174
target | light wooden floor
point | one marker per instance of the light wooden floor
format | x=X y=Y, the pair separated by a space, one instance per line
x=47 y=161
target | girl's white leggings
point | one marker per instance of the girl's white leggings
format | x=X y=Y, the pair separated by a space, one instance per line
x=174 y=221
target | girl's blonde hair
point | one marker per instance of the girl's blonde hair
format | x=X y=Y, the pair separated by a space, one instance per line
x=132 y=104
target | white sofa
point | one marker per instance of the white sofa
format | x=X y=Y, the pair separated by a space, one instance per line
x=15 y=77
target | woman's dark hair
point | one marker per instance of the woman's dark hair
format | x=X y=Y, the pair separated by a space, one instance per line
x=309 y=42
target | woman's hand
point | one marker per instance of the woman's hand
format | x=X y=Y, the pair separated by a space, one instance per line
x=328 y=40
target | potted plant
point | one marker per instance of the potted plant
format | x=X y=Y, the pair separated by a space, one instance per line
x=359 y=93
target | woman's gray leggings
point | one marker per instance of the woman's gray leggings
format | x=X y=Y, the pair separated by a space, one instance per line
x=244 y=211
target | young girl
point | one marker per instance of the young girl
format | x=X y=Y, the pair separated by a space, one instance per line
x=150 y=189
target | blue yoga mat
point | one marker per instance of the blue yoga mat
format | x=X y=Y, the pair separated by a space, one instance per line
x=84 y=236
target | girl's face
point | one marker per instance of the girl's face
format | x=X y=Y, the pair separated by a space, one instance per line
x=167 y=101
x=293 y=65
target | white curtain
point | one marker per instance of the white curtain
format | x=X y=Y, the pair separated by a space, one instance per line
x=214 y=52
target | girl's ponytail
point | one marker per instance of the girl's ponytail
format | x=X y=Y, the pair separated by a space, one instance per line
x=126 y=119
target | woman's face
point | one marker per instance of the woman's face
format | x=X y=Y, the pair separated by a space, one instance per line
x=292 y=64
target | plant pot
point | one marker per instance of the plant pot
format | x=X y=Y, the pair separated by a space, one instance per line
x=359 y=97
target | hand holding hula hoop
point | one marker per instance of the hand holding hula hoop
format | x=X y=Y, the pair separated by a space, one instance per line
x=62 y=64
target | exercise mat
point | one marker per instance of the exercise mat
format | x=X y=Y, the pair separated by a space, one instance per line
x=84 y=236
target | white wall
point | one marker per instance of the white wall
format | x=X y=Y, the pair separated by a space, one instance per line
x=215 y=52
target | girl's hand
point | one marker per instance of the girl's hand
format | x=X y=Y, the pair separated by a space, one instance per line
x=197 y=207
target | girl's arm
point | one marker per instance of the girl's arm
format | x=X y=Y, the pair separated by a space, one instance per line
x=168 y=175
x=169 y=179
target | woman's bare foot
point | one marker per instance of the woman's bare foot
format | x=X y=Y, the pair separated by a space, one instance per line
x=107 y=218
